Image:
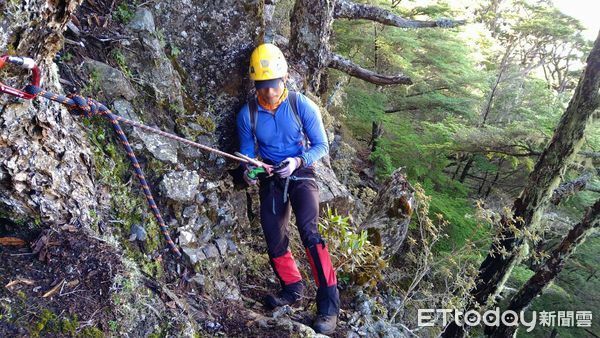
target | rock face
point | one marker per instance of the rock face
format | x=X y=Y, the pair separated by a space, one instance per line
x=180 y=186
x=331 y=191
x=387 y=221
x=162 y=148
x=181 y=66
x=111 y=81
x=213 y=41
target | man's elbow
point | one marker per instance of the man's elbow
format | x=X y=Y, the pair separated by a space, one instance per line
x=325 y=146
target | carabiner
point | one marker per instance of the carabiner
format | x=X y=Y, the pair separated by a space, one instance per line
x=23 y=62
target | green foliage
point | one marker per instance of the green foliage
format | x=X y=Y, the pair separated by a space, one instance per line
x=383 y=163
x=160 y=35
x=175 y=51
x=570 y=291
x=354 y=256
x=113 y=326
x=91 y=332
x=429 y=273
x=124 y=12
x=66 y=57
x=462 y=223
x=119 y=58
x=433 y=127
x=363 y=108
x=92 y=86
x=440 y=63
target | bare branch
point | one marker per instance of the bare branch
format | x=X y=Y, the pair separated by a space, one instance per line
x=404 y=109
x=590 y=154
x=570 y=188
x=350 y=10
x=350 y=68
x=499 y=150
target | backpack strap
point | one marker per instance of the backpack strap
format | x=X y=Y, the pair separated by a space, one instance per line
x=293 y=97
x=253 y=107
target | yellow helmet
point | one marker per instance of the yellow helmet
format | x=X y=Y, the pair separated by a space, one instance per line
x=267 y=63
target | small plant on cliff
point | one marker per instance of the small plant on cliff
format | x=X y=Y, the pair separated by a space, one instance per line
x=123 y=13
x=355 y=258
x=119 y=58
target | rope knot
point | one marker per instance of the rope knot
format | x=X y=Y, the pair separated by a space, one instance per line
x=83 y=106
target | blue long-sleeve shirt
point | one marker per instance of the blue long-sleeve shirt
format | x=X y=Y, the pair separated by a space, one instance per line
x=279 y=135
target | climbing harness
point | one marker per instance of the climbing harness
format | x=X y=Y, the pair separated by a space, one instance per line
x=87 y=107
x=293 y=178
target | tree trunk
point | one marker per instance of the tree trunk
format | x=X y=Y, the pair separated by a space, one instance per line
x=376 y=132
x=311 y=22
x=527 y=209
x=483 y=182
x=388 y=219
x=466 y=169
x=457 y=170
x=45 y=160
x=489 y=190
x=375 y=51
x=490 y=100
x=548 y=271
x=459 y=160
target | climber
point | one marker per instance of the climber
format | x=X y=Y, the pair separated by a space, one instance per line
x=287 y=130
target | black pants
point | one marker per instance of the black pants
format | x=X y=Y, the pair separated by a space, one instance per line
x=300 y=193
x=275 y=209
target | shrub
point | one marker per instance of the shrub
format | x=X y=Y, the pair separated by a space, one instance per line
x=357 y=260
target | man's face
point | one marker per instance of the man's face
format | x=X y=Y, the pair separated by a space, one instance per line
x=272 y=95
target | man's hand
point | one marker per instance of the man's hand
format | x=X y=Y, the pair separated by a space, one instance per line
x=250 y=181
x=292 y=164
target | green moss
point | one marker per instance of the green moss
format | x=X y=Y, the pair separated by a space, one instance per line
x=129 y=205
x=177 y=109
x=20 y=221
x=50 y=323
x=91 y=332
x=206 y=123
x=183 y=122
x=153 y=268
x=174 y=52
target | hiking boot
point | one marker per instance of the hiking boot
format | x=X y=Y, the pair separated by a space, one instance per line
x=289 y=295
x=325 y=324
